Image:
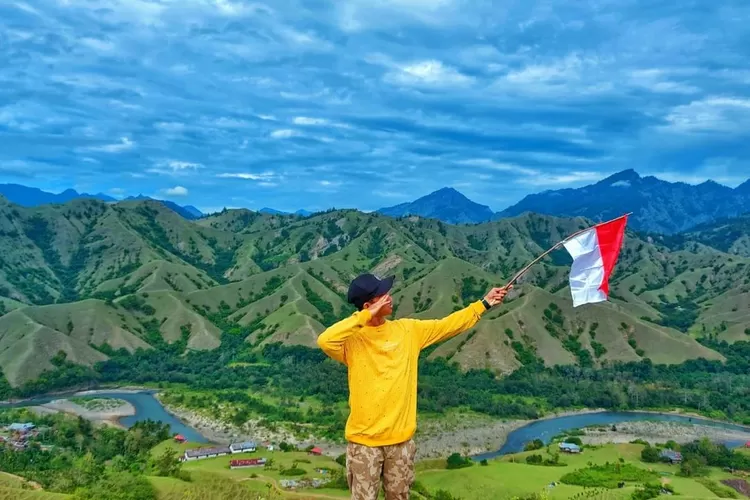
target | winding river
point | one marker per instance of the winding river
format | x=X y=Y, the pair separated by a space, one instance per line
x=148 y=407
x=145 y=404
x=546 y=429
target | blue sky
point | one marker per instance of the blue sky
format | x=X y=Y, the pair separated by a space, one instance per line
x=314 y=104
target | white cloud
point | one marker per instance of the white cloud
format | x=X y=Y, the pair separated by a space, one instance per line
x=97 y=45
x=573 y=75
x=247 y=176
x=304 y=120
x=174 y=167
x=117 y=191
x=714 y=114
x=657 y=80
x=182 y=165
x=429 y=72
x=284 y=133
x=176 y=191
x=544 y=179
x=359 y=15
x=125 y=144
x=170 y=126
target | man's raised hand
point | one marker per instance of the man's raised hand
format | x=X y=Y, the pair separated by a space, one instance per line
x=376 y=306
x=496 y=295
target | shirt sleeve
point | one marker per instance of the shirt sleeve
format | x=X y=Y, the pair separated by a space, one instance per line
x=333 y=339
x=431 y=331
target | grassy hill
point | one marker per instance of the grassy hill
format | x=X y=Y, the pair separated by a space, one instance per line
x=87 y=277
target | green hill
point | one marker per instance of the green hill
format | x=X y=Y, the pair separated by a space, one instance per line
x=86 y=277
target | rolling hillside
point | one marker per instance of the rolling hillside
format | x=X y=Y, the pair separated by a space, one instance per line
x=86 y=277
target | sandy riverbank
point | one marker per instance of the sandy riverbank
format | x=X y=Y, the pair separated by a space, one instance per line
x=660 y=432
x=435 y=438
x=471 y=434
x=224 y=433
x=104 y=411
x=122 y=390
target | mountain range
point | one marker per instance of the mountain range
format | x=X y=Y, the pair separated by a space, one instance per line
x=87 y=276
x=34 y=197
x=658 y=206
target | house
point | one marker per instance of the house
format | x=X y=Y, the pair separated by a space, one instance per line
x=747 y=445
x=22 y=428
x=201 y=453
x=180 y=438
x=671 y=456
x=570 y=448
x=246 y=447
x=246 y=462
x=316 y=451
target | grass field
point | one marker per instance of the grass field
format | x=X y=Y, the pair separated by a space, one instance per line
x=506 y=477
x=511 y=476
x=14 y=488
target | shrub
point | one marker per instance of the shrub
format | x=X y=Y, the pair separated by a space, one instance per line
x=456 y=461
x=536 y=444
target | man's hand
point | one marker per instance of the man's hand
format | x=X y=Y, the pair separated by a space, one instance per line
x=496 y=295
x=376 y=306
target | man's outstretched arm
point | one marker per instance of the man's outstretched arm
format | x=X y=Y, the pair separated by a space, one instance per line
x=332 y=340
x=431 y=331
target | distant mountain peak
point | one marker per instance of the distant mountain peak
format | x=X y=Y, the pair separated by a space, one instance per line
x=446 y=204
x=658 y=206
x=625 y=178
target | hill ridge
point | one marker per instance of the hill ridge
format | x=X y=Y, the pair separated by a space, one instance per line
x=135 y=274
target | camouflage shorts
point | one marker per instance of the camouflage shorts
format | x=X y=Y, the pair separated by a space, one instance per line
x=365 y=466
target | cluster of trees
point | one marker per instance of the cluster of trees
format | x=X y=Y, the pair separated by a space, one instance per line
x=69 y=455
x=712 y=388
x=698 y=456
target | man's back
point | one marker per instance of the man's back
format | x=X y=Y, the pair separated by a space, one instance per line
x=383 y=367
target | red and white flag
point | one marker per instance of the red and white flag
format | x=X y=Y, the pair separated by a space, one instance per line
x=594 y=253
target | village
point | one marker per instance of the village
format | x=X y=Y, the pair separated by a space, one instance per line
x=208 y=452
x=17 y=435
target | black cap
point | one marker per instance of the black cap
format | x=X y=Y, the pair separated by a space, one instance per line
x=366 y=287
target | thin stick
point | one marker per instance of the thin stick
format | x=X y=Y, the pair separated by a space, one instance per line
x=557 y=245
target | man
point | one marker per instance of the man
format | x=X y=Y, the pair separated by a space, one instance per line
x=382 y=356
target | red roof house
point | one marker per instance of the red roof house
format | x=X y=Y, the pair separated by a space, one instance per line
x=316 y=451
x=180 y=438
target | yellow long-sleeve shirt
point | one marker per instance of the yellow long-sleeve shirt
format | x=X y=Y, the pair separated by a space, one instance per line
x=382 y=363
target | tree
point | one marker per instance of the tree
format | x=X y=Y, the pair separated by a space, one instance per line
x=534 y=459
x=574 y=440
x=650 y=454
x=167 y=464
x=536 y=444
x=456 y=461
x=690 y=468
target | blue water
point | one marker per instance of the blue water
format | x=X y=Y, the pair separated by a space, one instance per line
x=146 y=407
x=547 y=429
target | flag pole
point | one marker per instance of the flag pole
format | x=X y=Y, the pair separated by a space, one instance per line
x=558 y=245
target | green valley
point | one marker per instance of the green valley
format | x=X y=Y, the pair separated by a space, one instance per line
x=86 y=278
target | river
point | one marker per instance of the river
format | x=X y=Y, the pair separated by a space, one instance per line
x=546 y=429
x=145 y=404
x=148 y=407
